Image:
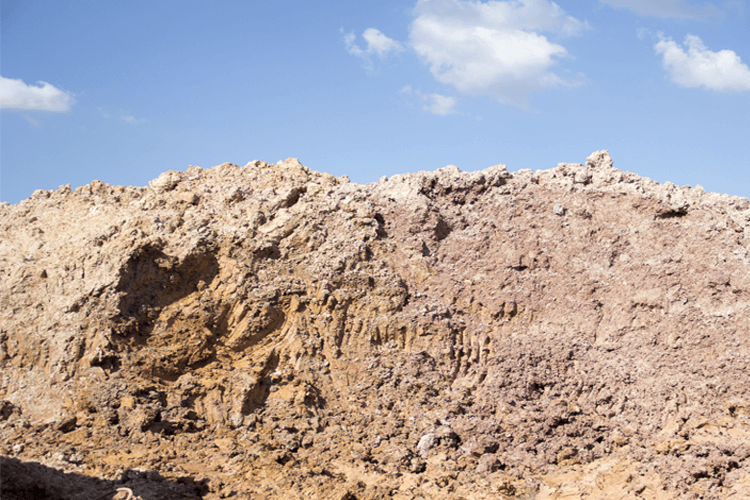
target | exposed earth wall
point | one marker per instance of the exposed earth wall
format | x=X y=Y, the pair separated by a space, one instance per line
x=273 y=332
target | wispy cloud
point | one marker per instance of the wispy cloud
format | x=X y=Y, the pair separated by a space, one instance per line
x=493 y=48
x=697 y=67
x=377 y=44
x=440 y=105
x=132 y=119
x=437 y=104
x=15 y=94
x=666 y=8
x=34 y=123
x=735 y=6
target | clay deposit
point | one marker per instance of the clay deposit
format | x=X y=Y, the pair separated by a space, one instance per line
x=271 y=332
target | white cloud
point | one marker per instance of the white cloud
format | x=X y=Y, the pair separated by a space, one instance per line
x=352 y=47
x=735 y=6
x=699 y=67
x=437 y=104
x=380 y=44
x=493 y=48
x=34 y=123
x=14 y=94
x=666 y=8
x=377 y=44
x=132 y=119
x=440 y=105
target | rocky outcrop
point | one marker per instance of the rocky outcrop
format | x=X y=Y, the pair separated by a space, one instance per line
x=269 y=331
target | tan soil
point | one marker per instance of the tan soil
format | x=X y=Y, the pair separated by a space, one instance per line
x=272 y=332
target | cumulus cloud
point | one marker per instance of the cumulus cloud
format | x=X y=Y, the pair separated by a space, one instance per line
x=666 y=8
x=377 y=44
x=15 y=94
x=494 y=48
x=700 y=67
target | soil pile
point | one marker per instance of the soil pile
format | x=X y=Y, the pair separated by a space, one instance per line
x=271 y=332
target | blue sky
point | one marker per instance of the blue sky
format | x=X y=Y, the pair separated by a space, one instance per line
x=122 y=91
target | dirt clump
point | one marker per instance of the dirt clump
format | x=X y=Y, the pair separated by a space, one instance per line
x=268 y=331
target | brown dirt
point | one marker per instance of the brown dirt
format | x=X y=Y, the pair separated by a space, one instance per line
x=272 y=332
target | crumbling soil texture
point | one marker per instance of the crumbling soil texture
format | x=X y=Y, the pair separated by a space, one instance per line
x=272 y=332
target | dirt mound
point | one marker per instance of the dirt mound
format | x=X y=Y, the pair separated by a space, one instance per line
x=269 y=331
